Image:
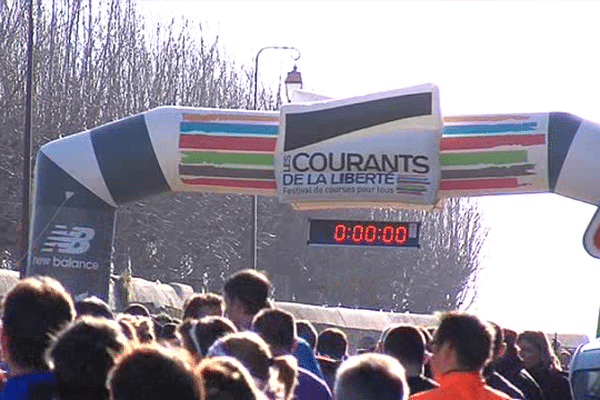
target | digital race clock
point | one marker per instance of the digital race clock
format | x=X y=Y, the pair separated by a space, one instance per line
x=363 y=233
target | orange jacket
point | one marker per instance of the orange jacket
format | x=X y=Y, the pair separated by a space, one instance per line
x=461 y=386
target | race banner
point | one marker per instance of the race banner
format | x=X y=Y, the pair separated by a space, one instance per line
x=382 y=147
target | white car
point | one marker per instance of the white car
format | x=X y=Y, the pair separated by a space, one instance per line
x=584 y=372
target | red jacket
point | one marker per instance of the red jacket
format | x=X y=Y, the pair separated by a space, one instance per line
x=461 y=386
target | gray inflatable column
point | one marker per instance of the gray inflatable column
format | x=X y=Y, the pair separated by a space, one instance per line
x=80 y=180
x=71 y=233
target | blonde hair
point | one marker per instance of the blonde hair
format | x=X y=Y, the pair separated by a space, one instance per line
x=539 y=340
x=253 y=352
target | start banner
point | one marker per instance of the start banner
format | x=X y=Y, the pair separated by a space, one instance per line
x=382 y=147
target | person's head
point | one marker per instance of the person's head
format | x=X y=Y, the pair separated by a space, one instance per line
x=93 y=307
x=333 y=343
x=137 y=309
x=306 y=330
x=371 y=376
x=498 y=345
x=199 y=335
x=535 y=351
x=565 y=359
x=153 y=372
x=245 y=293
x=225 y=378
x=201 y=305
x=406 y=344
x=462 y=342
x=510 y=340
x=277 y=328
x=252 y=351
x=33 y=310
x=143 y=327
x=82 y=354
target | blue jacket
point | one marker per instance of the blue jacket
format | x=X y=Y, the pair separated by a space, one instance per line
x=32 y=386
x=306 y=358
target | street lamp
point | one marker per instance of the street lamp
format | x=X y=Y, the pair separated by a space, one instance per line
x=292 y=82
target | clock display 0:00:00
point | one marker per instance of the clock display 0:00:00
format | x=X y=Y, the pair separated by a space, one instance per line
x=368 y=234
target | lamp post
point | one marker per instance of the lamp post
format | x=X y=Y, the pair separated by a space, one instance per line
x=26 y=187
x=292 y=81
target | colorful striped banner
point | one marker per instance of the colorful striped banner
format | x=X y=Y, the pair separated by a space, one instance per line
x=229 y=128
x=488 y=142
x=484 y=157
x=228 y=150
x=488 y=128
x=238 y=152
x=219 y=158
x=209 y=142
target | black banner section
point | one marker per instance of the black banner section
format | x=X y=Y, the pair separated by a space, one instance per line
x=363 y=233
x=305 y=128
x=127 y=160
x=562 y=128
x=72 y=232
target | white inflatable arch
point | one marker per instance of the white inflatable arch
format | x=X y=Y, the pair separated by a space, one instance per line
x=81 y=179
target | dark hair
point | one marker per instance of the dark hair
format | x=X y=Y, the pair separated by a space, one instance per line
x=470 y=337
x=371 y=376
x=153 y=372
x=94 y=307
x=82 y=354
x=253 y=352
x=510 y=338
x=137 y=309
x=164 y=327
x=33 y=310
x=199 y=335
x=225 y=378
x=332 y=342
x=405 y=343
x=250 y=287
x=197 y=304
x=277 y=328
x=306 y=330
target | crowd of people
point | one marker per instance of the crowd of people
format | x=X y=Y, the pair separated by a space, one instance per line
x=239 y=346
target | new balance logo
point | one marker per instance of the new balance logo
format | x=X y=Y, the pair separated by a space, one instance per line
x=74 y=241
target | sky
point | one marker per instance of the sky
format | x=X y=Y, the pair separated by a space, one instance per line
x=485 y=57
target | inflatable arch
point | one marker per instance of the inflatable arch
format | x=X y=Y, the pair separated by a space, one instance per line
x=81 y=179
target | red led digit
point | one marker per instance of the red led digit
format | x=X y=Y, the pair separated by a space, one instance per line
x=387 y=235
x=370 y=234
x=339 y=234
x=401 y=234
x=357 y=233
